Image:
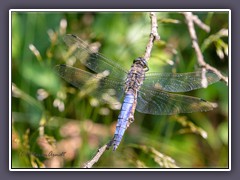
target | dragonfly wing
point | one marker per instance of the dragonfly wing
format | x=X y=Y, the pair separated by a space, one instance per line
x=162 y=103
x=179 y=82
x=94 y=61
x=98 y=85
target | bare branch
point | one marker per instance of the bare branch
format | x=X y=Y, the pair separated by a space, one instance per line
x=191 y=19
x=200 y=24
x=153 y=36
x=95 y=159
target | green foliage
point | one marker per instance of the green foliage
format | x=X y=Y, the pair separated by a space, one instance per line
x=53 y=125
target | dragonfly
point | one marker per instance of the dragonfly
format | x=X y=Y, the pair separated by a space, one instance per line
x=146 y=92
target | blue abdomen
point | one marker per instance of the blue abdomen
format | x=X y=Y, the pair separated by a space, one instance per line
x=123 y=119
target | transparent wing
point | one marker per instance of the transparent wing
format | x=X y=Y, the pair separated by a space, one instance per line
x=179 y=82
x=98 y=85
x=94 y=61
x=162 y=103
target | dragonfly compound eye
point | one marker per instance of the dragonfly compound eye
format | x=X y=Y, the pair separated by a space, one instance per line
x=141 y=61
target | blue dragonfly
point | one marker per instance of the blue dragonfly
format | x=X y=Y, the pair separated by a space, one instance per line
x=146 y=92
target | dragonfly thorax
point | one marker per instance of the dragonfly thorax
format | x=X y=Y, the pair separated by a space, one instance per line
x=136 y=75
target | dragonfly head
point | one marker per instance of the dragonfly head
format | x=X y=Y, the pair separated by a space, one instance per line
x=142 y=62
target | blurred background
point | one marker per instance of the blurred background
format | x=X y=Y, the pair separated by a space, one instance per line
x=53 y=127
